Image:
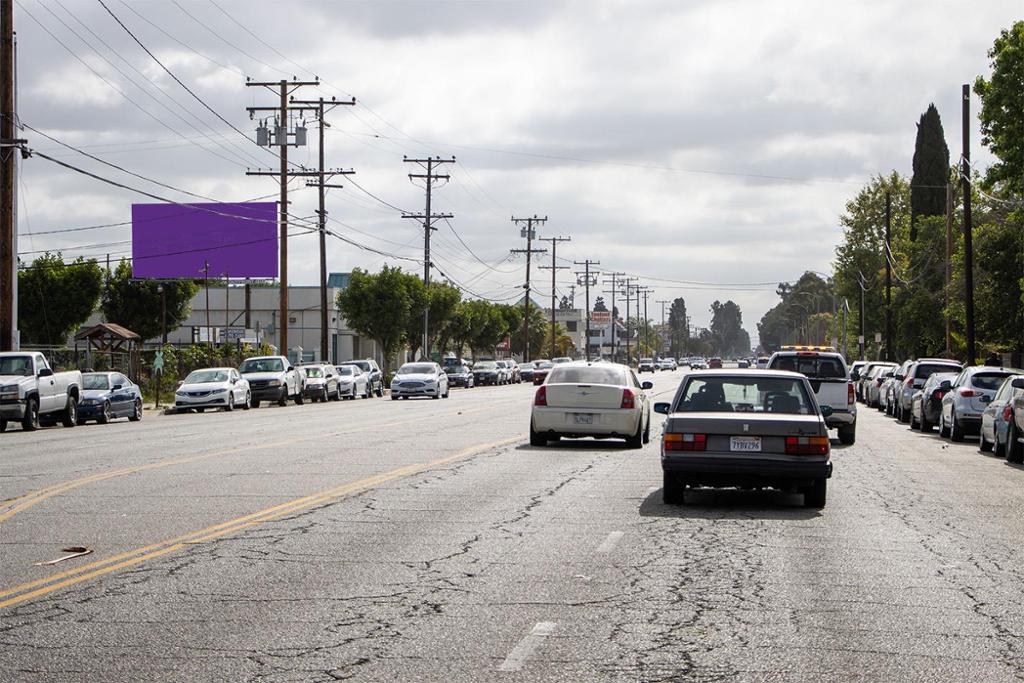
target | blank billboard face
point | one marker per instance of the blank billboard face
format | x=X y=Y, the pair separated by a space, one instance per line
x=171 y=241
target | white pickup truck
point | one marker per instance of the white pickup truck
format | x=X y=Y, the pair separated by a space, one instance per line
x=30 y=391
x=831 y=382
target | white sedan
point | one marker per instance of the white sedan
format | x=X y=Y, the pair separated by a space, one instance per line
x=220 y=388
x=353 y=381
x=419 y=379
x=601 y=400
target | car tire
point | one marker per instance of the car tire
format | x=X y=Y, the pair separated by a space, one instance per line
x=136 y=415
x=200 y=410
x=69 y=417
x=255 y=403
x=536 y=438
x=325 y=397
x=1014 y=449
x=380 y=390
x=848 y=435
x=248 y=400
x=924 y=426
x=283 y=399
x=447 y=391
x=943 y=432
x=637 y=440
x=984 y=445
x=956 y=432
x=230 y=405
x=30 y=422
x=3 y=425
x=913 y=420
x=816 y=494
x=647 y=432
x=299 y=398
x=105 y=416
x=673 y=489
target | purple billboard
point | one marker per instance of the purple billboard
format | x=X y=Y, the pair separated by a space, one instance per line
x=171 y=241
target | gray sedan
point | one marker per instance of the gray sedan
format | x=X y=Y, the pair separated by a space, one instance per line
x=758 y=428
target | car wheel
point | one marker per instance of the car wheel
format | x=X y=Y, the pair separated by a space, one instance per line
x=672 y=489
x=255 y=403
x=69 y=418
x=393 y=397
x=447 y=391
x=943 y=432
x=536 y=438
x=230 y=405
x=3 y=425
x=200 y=410
x=924 y=425
x=380 y=390
x=647 y=432
x=913 y=420
x=998 y=449
x=30 y=422
x=984 y=445
x=325 y=397
x=956 y=432
x=815 y=494
x=299 y=398
x=283 y=399
x=437 y=395
x=848 y=435
x=104 y=417
x=1014 y=449
x=248 y=400
x=637 y=440
x=136 y=411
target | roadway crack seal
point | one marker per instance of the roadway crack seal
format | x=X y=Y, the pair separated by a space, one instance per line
x=30 y=590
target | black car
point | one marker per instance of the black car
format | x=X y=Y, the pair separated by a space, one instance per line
x=487 y=372
x=526 y=371
x=460 y=376
x=375 y=378
x=107 y=395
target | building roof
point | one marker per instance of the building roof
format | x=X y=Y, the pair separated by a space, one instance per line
x=107 y=329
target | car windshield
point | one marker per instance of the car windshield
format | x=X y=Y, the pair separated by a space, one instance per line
x=816 y=367
x=262 y=365
x=98 y=381
x=362 y=365
x=587 y=374
x=646 y=360
x=989 y=380
x=205 y=376
x=345 y=370
x=416 y=369
x=544 y=365
x=486 y=365
x=744 y=395
x=526 y=366
x=314 y=372
x=16 y=365
x=926 y=370
x=458 y=370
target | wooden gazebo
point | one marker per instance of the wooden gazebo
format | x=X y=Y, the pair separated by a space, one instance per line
x=115 y=341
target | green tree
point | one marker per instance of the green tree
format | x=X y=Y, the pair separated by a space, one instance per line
x=931 y=170
x=488 y=326
x=440 y=299
x=379 y=307
x=539 y=331
x=679 y=327
x=599 y=304
x=1002 y=110
x=137 y=304
x=798 y=316
x=730 y=339
x=55 y=298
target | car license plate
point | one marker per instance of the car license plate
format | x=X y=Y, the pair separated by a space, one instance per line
x=745 y=444
x=583 y=418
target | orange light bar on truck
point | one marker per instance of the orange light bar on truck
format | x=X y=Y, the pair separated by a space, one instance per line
x=674 y=441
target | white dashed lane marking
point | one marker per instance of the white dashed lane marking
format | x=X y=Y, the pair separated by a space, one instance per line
x=527 y=646
x=608 y=544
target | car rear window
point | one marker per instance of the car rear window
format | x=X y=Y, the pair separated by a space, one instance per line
x=989 y=381
x=926 y=370
x=815 y=367
x=744 y=395
x=587 y=375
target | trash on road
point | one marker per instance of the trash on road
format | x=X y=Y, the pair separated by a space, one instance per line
x=75 y=551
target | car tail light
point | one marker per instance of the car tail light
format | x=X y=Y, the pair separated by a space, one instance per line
x=541 y=399
x=674 y=441
x=628 y=399
x=1007 y=414
x=807 y=445
x=969 y=393
x=850 y=397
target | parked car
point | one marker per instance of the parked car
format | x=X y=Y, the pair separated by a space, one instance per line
x=375 y=377
x=857 y=373
x=1015 y=432
x=504 y=372
x=872 y=383
x=515 y=375
x=831 y=384
x=223 y=388
x=926 y=408
x=419 y=379
x=751 y=429
x=32 y=393
x=272 y=378
x=107 y=396
x=887 y=395
x=320 y=382
x=646 y=365
x=918 y=372
x=526 y=371
x=998 y=415
x=602 y=400
x=970 y=393
x=487 y=372
x=762 y=362
x=460 y=376
x=541 y=368
x=353 y=381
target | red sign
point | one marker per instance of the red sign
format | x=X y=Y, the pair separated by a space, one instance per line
x=601 y=316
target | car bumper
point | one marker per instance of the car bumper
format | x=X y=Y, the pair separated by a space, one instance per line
x=269 y=393
x=12 y=409
x=458 y=382
x=416 y=391
x=313 y=391
x=726 y=469
x=89 y=411
x=562 y=422
x=485 y=379
x=841 y=418
x=969 y=423
x=212 y=401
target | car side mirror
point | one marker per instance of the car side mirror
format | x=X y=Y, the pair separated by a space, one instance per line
x=855 y=376
x=116 y=387
x=1017 y=383
x=826 y=411
x=663 y=408
x=945 y=385
x=291 y=368
x=647 y=385
x=46 y=372
x=985 y=398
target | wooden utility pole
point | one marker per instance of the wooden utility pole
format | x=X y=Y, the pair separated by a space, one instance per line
x=672 y=332
x=428 y=226
x=888 y=275
x=284 y=89
x=949 y=266
x=965 y=180
x=628 y=286
x=529 y=233
x=554 y=268
x=647 y=327
x=587 y=281
x=614 y=283
x=9 y=147
x=323 y=106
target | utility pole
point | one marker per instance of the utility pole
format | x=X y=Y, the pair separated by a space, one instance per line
x=965 y=180
x=672 y=333
x=629 y=286
x=554 y=268
x=647 y=327
x=324 y=106
x=863 y=334
x=587 y=281
x=614 y=282
x=281 y=134
x=9 y=148
x=428 y=226
x=206 y=286
x=529 y=232
x=949 y=265
x=888 y=275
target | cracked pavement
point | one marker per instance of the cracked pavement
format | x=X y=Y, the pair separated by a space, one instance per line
x=909 y=574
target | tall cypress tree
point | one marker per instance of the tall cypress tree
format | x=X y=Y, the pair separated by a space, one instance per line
x=931 y=170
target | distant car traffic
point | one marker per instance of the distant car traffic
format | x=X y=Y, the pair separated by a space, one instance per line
x=916 y=375
x=526 y=371
x=107 y=396
x=646 y=365
x=715 y=364
x=750 y=429
x=541 y=368
x=560 y=360
x=419 y=379
x=221 y=388
x=487 y=372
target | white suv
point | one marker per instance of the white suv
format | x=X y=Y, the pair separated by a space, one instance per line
x=830 y=380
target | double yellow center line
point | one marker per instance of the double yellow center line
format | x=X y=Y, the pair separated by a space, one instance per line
x=34 y=589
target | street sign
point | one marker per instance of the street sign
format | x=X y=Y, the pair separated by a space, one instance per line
x=860 y=338
x=601 y=316
x=158 y=361
x=230 y=334
x=878 y=337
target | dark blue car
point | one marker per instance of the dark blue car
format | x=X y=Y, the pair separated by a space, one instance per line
x=108 y=395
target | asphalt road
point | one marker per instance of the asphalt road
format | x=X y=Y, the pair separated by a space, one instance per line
x=426 y=541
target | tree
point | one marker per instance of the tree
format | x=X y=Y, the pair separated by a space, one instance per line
x=440 y=299
x=599 y=304
x=55 y=298
x=1002 y=110
x=679 y=325
x=488 y=326
x=931 y=170
x=379 y=307
x=790 y=321
x=564 y=304
x=727 y=329
x=539 y=331
x=138 y=304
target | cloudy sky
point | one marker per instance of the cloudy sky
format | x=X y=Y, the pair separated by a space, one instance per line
x=680 y=141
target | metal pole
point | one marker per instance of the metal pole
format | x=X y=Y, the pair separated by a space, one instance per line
x=323 y=242
x=965 y=179
x=8 y=169
x=206 y=286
